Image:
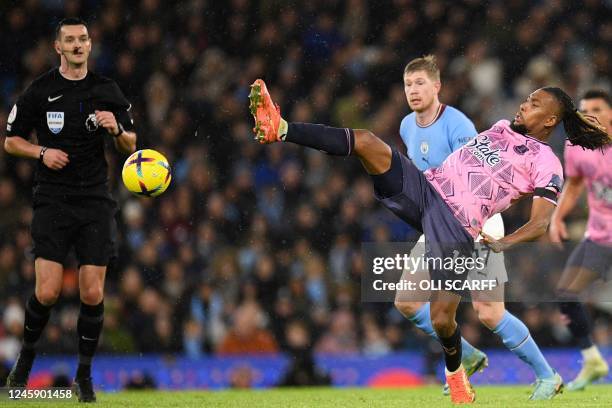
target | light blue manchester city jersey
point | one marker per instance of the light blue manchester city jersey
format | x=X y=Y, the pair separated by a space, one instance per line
x=429 y=146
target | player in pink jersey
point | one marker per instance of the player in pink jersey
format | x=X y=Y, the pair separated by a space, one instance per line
x=522 y=166
x=493 y=170
x=593 y=256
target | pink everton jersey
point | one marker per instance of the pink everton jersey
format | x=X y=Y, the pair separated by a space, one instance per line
x=595 y=167
x=492 y=171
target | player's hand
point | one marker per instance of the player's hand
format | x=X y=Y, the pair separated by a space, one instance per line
x=557 y=231
x=495 y=244
x=55 y=159
x=596 y=122
x=108 y=121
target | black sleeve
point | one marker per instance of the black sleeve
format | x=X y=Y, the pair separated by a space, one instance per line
x=121 y=108
x=22 y=118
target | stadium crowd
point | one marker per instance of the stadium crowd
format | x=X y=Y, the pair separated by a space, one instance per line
x=257 y=249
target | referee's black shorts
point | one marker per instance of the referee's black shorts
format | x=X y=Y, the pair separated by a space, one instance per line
x=87 y=223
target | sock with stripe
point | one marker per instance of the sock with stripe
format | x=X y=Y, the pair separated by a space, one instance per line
x=517 y=339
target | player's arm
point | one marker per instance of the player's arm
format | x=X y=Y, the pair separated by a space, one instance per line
x=567 y=202
x=541 y=213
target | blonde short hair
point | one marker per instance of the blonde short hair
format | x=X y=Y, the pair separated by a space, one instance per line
x=426 y=63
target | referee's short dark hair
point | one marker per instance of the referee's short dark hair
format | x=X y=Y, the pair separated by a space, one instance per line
x=69 y=21
x=598 y=94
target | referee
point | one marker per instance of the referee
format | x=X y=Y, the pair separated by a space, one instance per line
x=73 y=111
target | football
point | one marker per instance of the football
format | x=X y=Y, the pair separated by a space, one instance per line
x=146 y=173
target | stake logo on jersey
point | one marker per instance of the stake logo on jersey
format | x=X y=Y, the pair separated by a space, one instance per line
x=480 y=146
x=55 y=122
x=91 y=123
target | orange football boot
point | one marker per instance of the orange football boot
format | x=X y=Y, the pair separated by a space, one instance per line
x=461 y=391
x=265 y=112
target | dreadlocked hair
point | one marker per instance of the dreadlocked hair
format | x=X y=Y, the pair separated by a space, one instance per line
x=578 y=129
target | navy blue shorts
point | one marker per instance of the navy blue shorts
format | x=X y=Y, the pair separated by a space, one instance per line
x=591 y=256
x=420 y=205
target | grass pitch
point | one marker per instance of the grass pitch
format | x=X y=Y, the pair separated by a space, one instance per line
x=430 y=396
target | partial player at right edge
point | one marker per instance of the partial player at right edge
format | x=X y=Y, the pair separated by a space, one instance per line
x=592 y=258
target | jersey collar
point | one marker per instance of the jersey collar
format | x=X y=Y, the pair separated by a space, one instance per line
x=436 y=117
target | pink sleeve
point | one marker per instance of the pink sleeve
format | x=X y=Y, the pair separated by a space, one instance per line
x=548 y=177
x=571 y=158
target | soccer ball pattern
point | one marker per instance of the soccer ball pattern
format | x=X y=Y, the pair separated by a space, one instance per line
x=146 y=173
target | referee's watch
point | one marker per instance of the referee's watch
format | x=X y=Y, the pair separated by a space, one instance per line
x=121 y=130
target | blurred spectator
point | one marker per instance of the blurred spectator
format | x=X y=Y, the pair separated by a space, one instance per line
x=247 y=334
x=302 y=369
x=341 y=336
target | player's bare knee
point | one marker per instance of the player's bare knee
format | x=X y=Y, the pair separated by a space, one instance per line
x=364 y=139
x=92 y=295
x=372 y=151
x=443 y=323
x=489 y=313
x=408 y=309
x=47 y=294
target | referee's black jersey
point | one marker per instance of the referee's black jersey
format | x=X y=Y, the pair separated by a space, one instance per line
x=62 y=112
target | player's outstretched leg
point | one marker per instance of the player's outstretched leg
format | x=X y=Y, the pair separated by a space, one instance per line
x=443 y=310
x=37 y=312
x=516 y=337
x=270 y=127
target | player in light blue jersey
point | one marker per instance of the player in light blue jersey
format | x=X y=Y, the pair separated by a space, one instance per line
x=431 y=133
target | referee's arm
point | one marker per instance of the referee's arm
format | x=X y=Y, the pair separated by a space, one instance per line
x=125 y=141
x=20 y=124
x=55 y=159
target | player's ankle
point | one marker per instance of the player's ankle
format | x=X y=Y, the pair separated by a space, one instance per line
x=448 y=372
x=83 y=371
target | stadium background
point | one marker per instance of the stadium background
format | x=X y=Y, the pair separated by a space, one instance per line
x=257 y=249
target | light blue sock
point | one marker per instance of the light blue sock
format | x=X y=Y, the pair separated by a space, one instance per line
x=422 y=320
x=516 y=337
